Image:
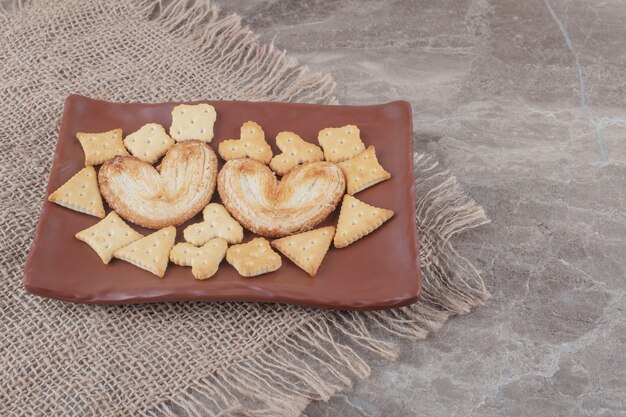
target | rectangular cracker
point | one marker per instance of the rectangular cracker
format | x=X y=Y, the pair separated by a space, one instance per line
x=193 y=122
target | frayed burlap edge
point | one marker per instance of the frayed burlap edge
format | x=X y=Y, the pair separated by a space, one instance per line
x=326 y=354
x=323 y=355
x=268 y=72
x=262 y=70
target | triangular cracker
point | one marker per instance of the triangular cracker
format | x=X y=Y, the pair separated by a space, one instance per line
x=108 y=235
x=363 y=171
x=149 y=143
x=358 y=219
x=253 y=258
x=295 y=151
x=217 y=223
x=151 y=252
x=204 y=261
x=251 y=144
x=193 y=122
x=307 y=250
x=99 y=147
x=341 y=143
x=80 y=193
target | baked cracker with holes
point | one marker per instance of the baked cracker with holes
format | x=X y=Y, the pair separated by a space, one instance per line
x=100 y=147
x=358 y=219
x=108 y=235
x=308 y=249
x=151 y=252
x=253 y=258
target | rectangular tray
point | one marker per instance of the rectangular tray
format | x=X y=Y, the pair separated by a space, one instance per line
x=379 y=271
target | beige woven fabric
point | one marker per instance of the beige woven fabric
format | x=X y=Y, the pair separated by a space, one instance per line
x=196 y=359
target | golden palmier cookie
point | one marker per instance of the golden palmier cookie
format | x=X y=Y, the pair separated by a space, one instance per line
x=80 y=193
x=308 y=249
x=193 y=122
x=99 y=147
x=341 y=143
x=251 y=144
x=303 y=198
x=253 y=258
x=358 y=219
x=217 y=223
x=108 y=235
x=151 y=252
x=295 y=151
x=204 y=261
x=149 y=143
x=177 y=190
x=363 y=171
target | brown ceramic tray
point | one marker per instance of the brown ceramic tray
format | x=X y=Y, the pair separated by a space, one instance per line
x=379 y=271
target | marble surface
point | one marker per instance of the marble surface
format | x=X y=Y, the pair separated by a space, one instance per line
x=525 y=101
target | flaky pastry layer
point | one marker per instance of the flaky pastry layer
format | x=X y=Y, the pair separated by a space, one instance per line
x=268 y=207
x=174 y=192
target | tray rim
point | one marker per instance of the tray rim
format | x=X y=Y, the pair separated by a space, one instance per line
x=412 y=294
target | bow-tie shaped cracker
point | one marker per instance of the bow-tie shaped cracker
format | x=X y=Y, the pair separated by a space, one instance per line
x=217 y=223
x=99 y=147
x=253 y=258
x=204 y=261
x=251 y=144
x=363 y=171
x=295 y=151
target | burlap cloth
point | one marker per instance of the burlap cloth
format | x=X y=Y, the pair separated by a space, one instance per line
x=62 y=359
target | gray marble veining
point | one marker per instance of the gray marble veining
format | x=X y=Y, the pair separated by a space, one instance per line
x=525 y=101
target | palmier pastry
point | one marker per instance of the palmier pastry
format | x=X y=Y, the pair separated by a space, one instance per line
x=302 y=199
x=174 y=192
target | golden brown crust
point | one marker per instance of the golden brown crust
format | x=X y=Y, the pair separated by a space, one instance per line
x=358 y=219
x=308 y=249
x=182 y=186
x=262 y=204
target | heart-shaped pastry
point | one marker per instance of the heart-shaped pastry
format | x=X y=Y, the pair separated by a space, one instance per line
x=177 y=190
x=268 y=207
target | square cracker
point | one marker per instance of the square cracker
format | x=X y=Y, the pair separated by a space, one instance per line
x=108 y=235
x=100 y=147
x=193 y=122
x=253 y=258
x=358 y=219
x=341 y=143
x=251 y=144
x=308 y=249
x=151 y=252
x=363 y=171
x=80 y=193
x=149 y=143
x=204 y=261
x=217 y=223
x=295 y=151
